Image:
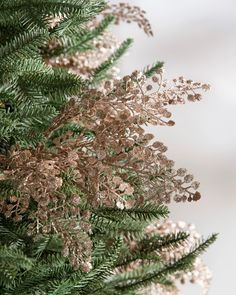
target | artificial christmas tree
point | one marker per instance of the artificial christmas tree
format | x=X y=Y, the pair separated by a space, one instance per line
x=82 y=185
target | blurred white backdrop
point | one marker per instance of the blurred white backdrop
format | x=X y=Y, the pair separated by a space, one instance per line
x=197 y=39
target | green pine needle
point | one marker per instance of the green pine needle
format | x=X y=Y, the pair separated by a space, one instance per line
x=144 y=212
x=102 y=71
x=151 y=70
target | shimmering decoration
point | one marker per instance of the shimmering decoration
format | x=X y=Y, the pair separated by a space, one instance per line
x=101 y=164
x=112 y=161
x=128 y=13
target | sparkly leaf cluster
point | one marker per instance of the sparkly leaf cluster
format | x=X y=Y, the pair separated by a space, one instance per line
x=83 y=184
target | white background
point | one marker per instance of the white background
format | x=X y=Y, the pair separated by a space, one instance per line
x=196 y=39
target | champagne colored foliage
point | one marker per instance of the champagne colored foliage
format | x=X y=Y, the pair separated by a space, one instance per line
x=83 y=186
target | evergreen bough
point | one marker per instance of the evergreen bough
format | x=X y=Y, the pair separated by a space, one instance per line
x=33 y=95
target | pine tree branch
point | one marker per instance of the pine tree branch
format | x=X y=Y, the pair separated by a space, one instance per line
x=26 y=45
x=150 y=70
x=146 y=247
x=143 y=212
x=102 y=71
x=183 y=264
x=82 y=41
x=63 y=8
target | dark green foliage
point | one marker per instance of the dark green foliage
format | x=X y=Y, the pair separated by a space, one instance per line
x=82 y=40
x=150 y=70
x=36 y=90
x=25 y=45
x=76 y=131
x=32 y=94
x=158 y=273
x=36 y=12
x=144 y=212
x=147 y=245
x=7 y=187
x=101 y=72
x=36 y=267
x=13 y=262
x=5 y=144
x=113 y=222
